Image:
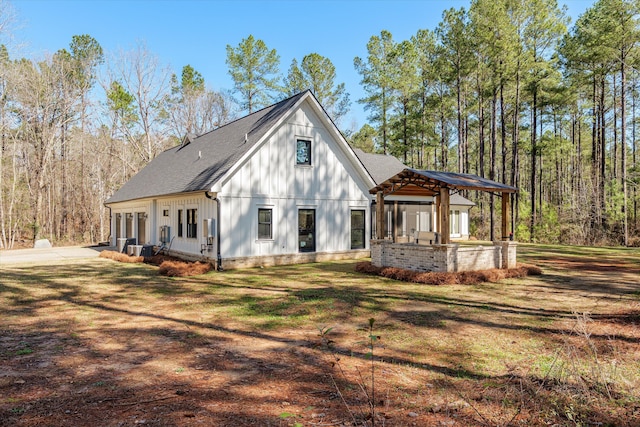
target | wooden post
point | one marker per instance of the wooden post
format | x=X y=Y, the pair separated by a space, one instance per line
x=445 y=233
x=379 y=215
x=436 y=215
x=505 y=216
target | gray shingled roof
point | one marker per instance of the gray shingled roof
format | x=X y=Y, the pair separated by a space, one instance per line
x=198 y=165
x=457 y=199
x=380 y=166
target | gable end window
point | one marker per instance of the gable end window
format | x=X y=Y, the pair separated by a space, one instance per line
x=303 y=152
x=265 y=224
x=192 y=223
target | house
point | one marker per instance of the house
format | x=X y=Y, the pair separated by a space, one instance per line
x=278 y=186
x=408 y=215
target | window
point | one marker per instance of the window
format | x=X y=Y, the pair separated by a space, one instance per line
x=180 y=223
x=455 y=222
x=307 y=230
x=303 y=152
x=165 y=212
x=264 y=224
x=357 y=229
x=192 y=223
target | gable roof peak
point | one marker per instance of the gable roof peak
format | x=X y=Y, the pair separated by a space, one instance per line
x=174 y=171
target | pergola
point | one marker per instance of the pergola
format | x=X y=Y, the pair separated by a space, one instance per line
x=413 y=182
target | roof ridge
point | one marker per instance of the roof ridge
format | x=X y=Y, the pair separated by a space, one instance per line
x=272 y=106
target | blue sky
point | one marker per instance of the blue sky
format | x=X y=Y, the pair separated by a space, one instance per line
x=196 y=32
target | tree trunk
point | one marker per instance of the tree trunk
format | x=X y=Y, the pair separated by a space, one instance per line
x=492 y=161
x=460 y=130
x=623 y=150
x=603 y=151
x=534 y=107
x=514 y=150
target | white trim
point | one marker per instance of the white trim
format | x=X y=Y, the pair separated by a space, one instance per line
x=256 y=216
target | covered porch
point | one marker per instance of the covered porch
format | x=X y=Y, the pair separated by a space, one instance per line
x=443 y=255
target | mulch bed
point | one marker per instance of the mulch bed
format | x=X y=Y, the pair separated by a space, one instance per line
x=167 y=265
x=441 y=278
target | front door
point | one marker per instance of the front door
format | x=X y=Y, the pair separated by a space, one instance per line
x=307 y=230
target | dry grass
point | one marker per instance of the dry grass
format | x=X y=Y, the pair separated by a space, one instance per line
x=120 y=257
x=94 y=342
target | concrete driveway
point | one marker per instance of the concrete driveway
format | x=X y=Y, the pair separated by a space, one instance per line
x=48 y=255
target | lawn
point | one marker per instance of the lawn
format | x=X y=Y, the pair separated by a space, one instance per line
x=97 y=342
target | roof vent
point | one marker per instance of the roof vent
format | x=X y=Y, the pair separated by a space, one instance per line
x=246 y=137
x=199 y=154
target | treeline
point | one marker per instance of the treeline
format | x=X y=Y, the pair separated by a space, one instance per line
x=76 y=126
x=71 y=136
x=506 y=90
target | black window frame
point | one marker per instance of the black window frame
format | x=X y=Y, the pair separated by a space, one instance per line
x=307 y=231
x=192 y=223
x=307 y=161
x=265 y=225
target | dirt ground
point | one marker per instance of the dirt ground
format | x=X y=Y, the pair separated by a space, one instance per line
x=122 y=350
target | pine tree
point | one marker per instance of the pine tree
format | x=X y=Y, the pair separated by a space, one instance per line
x=254 y=69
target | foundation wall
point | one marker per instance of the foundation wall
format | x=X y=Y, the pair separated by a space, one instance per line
x=300 y=258
x=443 y=258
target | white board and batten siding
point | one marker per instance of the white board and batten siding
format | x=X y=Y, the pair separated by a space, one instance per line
x=205 y=209
x=271 y=179
x=133 y=207
x=155 y=209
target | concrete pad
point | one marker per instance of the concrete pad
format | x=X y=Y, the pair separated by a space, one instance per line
x=49 y=255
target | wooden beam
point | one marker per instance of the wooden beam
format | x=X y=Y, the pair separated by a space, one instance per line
x=505 y=216
x=379 y=215
x=445 y=233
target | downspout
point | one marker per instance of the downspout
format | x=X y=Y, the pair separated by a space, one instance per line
x=109 y=207
x=218 y=255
